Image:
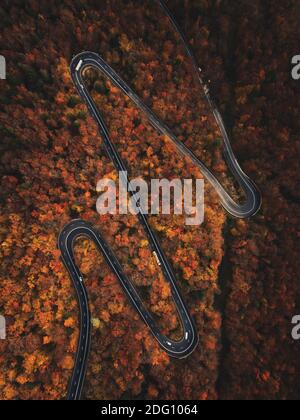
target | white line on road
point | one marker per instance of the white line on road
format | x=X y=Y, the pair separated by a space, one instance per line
x=79 y=65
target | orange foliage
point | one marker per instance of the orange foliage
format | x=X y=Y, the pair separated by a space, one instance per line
x=51 y=160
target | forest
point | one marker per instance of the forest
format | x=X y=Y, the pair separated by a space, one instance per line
x=239 y=277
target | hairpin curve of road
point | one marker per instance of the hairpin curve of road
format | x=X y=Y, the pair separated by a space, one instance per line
x=177 y=349
x=79 y=228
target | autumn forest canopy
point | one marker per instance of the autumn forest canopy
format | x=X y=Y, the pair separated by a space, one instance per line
x=239 y=278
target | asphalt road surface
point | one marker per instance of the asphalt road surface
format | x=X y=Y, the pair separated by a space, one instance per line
x=78 y=228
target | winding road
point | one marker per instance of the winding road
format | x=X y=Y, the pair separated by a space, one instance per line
x=178 y=349
x=78 y=228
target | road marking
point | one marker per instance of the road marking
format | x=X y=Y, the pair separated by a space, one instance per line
x=79 y=65
x=157 y=259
